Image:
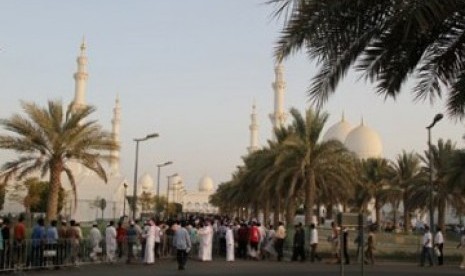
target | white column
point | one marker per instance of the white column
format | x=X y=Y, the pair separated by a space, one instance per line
x=278 y=117
x=80 y=78
x=253 y=130
x=116 y=125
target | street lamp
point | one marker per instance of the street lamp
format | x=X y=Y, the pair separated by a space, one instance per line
x=159 y=166
x=134 y=199
x=125 y=196
x=436 y=119
x=168 y=190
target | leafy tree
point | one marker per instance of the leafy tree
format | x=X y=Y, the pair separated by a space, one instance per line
x=47 y=139
x=388 y=41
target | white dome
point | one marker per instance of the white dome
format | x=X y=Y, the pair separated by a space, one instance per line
x=206 y=184
x=338 y=131
x=365 y=142
x=146 y=182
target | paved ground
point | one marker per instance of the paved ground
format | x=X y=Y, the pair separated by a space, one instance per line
x=218 y=267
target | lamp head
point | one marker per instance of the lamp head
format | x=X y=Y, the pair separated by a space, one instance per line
x=438 y=117
x=153 y=135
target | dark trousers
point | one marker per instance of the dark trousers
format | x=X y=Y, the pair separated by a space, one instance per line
x=181 y=258
x=441 y=257
x=223 y=246
x=279 y=243
x=130 y=251
x=346 y=255
x=120 y=249
x=157 y=250
x=242 y=249
x=299 y=251
x=313 y=254
x=426 y=252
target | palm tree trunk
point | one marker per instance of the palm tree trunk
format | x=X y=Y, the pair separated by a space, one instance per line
x=266 y=212
x=276 y=211
x=406 y=213
x=442 y=214
x=309 y=197
x=329 y=211
x=290 y=212
x=255 y=210
x=377 y=211
x=56 y=167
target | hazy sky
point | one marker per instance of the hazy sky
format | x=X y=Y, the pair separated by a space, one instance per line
x=188 y=70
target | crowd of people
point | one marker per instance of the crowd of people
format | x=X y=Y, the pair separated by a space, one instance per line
x=64 y=243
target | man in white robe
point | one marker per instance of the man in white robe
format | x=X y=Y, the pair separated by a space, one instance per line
x=110 y=240
x=95 y=237
x=206 y=234
x=229 y=244
x=149 y=256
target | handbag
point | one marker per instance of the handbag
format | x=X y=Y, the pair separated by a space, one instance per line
x=437 y=252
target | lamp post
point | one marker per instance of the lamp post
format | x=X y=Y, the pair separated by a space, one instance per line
x=168 y=191
x=159 y=166
x=134 y=199
x=125 y=196
x=436 y=119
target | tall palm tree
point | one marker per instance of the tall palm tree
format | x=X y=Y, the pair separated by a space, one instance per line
x=387 y=40
x=456 y=180
x=375 y=181
x=309 y=158
x=441 y=156
x=407 y=176
x=47 y=139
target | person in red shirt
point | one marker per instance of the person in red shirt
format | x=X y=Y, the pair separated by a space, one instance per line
x=120 y=238
x=19 y=234
x=254 y=239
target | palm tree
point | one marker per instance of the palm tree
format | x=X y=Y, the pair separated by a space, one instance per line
x=375 y=181
x=456 y=180
x=48 y=139
x=444 y=193
x=407 y=176
x=309 y=159
x=388 y=41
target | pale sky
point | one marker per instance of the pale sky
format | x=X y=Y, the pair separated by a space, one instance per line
x=188 y=70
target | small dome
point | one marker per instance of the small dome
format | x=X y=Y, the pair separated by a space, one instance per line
x=338 y=131
x=146 y=182
x=365 y=142
x=206 y=184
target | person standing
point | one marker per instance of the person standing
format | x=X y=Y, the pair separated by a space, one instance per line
x=370 y=247
x=110 y=241
x=132 y=238
x=120 y=239
x=52 y=242
x=254 y=239
x=345 y=244
x=206 y=242
x=439 y=245
x=229 y=238
x=149 y=255
x=182 y=243
x=314 y=243
x=427 y=247
x=6 y=259
x=19 y=246
x=95 y=237
x=279 y=243
x=157 y=240
x=299 y=243
x=335 y=243
x=462 y=246
x=38 y=238
x=242 y=238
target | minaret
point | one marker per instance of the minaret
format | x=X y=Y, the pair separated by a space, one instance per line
x=253 y=130
x=115 y=131
x=80 y=78
x=278 y=117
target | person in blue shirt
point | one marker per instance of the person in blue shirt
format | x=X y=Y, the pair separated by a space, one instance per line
x=37 y=250
x=52 y=242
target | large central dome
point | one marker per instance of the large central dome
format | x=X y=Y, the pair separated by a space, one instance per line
x=206 y=184
x=365 y=142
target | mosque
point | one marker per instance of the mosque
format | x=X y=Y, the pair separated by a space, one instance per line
x=91 y=190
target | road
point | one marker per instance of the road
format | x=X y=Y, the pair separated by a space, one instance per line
x=218 y=267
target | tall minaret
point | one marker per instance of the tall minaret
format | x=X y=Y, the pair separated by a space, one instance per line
x=80 y=78
x=278 y=117
x=115 y=131
x=253 y=130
